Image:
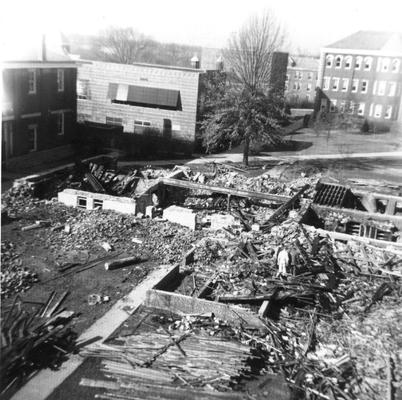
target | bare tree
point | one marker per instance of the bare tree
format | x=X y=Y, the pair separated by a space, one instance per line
x=250 y=51
x=122 y=45
x=249 y=59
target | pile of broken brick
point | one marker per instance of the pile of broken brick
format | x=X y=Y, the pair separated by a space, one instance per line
x=315 y=296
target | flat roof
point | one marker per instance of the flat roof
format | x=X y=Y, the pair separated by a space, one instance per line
x=145 y=65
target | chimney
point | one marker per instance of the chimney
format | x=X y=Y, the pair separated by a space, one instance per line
x=195 y=62
x=44 y=47
x=219 y=64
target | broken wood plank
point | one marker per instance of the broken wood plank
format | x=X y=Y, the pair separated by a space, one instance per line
x=243 y=299
x=94 y=182
x=122 y=262
x=207 y=287
x=58 y=303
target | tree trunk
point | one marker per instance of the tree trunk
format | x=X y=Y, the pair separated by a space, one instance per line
x=246 y=149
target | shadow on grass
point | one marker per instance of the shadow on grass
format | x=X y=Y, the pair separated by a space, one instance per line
x=288 y=145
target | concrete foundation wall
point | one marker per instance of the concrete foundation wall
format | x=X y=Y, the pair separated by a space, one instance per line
x=91 y=201
x=180 y=304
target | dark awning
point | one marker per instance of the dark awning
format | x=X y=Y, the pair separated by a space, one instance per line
x=145 y=96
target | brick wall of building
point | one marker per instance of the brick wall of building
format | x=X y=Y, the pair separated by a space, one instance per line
x=39 y=109
x=364 y=87
x=97 y=107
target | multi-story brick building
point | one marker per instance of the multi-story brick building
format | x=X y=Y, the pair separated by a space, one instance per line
x=140 y=98
x=362 y=74
x=39 y=102
x=301 y=80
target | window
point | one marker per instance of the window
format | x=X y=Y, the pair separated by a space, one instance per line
x=81 y=202
x=326 y=83
x=360 y=109
x=371 y=109
x=367 y=63
x=329 y=61
x=308 y=88
x=338 y=61
x=381 y=205
x=300 y=76
x=342 y=107
x=388 y=112
x=355 y=85
x=377 y=111
x=114 y=121
x=364 y=86
x=323 y=106
x=140 y=126
x=287 y=77
x=358 y=62
x=32 y=81
x=83 y=89
x=381 y=88
x=345 y=85
x=332 y=106
x=295 y=86
x=395 y=65
x=398 y=208
x=335 y=84
x=60 y=80
x=375 y=87
x=60 y=123
x=391 y=88
x=32 y=137
x=307 y=97
x=286 y=85
x=352 y=108
x=385 y=64
x=309 y=76
x=348 y=62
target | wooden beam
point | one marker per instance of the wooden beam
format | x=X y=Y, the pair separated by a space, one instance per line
x=219 y=189
x=284 y=207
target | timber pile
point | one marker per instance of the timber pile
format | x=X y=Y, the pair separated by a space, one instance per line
x=33 y=339
x=120 y=183
x=192 y=352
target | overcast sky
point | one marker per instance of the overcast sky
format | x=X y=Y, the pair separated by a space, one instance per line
x=310 y=24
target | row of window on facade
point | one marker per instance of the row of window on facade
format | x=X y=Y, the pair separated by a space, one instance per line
x=380 y=88
x=365 y=63
x=139 y=125
x=376 y=110
x=298 y=86
x=33 y=81
x=299 y=75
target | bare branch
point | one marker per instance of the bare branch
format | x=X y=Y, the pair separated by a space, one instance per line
x=250 y=51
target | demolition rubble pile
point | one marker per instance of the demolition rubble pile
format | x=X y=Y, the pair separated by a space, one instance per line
x=330 y=310
x=33 y=338
x=14 y=277
x=333 y=320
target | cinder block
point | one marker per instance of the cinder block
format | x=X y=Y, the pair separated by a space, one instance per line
x=180 y=215
x=219 y=221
